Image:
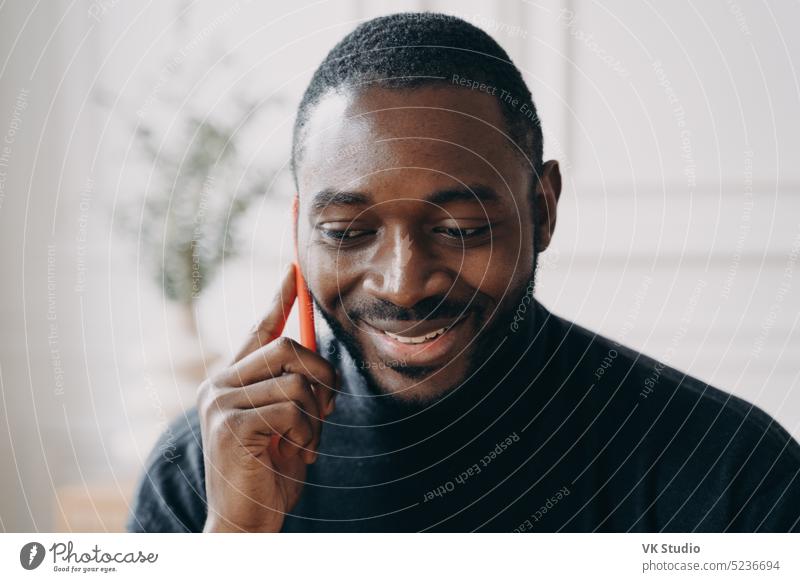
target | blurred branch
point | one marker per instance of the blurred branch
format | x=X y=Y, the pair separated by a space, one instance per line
x=186 y=220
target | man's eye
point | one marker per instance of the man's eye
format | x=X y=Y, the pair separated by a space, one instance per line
x=340 y=235
x=460 y=233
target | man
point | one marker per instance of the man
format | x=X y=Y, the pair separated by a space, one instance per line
x=446 y=397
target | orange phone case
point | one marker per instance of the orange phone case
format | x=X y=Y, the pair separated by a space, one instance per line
x=308 y=337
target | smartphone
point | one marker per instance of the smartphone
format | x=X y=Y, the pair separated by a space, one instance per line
x=308 y=337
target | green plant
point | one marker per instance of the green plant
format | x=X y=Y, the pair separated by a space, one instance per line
x=188 y=220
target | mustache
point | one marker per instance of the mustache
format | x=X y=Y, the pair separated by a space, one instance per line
x=434 y=307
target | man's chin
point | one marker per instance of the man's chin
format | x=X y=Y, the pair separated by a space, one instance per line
x=423 y=384
x=413 y=384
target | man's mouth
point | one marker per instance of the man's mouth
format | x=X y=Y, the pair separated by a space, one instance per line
x=419 y=344
x=421 y=339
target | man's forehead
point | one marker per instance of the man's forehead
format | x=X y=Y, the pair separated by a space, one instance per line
x=436 y=128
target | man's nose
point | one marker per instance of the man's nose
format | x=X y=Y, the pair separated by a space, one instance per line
x=403 y=271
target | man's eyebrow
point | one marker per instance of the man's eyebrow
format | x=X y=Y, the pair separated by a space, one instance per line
x=329 y=197
x=471 y=193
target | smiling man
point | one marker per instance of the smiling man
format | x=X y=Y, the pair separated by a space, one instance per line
x=444 y=397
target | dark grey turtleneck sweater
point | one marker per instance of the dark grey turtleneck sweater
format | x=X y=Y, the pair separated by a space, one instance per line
x=563 y=430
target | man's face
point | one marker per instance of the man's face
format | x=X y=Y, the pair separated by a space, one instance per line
x=416 y=231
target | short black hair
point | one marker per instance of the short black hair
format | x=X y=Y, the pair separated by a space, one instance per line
x=413 y=49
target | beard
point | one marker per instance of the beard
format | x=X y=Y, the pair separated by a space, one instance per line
x=493 y=330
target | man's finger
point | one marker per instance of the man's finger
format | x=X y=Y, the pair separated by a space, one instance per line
x=271 y=326
x=288 y=387
x=284 y=419
x=283 y=356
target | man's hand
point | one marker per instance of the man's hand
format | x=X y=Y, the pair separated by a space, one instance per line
x=261 y=420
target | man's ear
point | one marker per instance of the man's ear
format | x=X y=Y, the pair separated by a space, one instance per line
x=545 y=201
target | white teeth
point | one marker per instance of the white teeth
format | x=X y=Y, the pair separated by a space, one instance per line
x=419 y=339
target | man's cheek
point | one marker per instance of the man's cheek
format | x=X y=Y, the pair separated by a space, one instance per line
x=509 y=270
x=495 y=278
x=321 y=279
